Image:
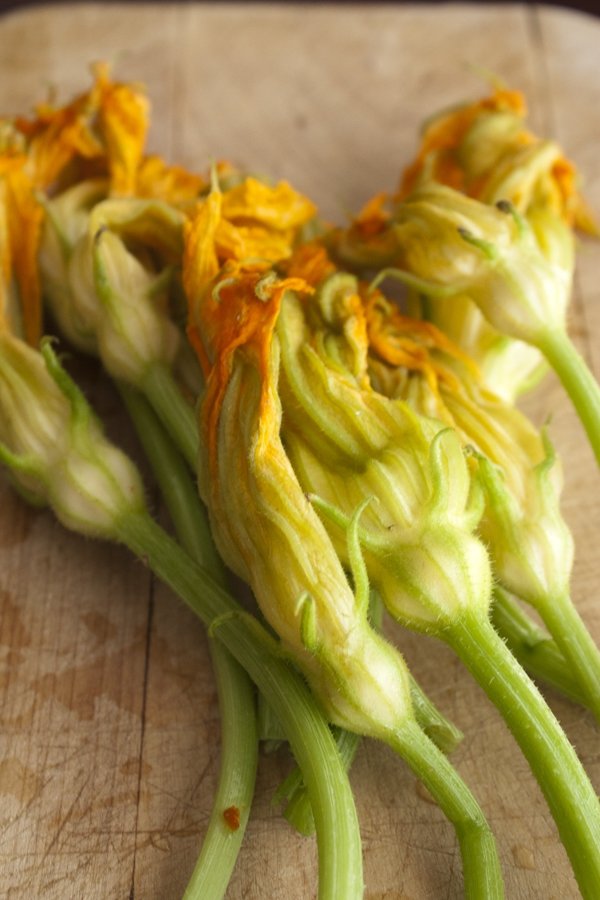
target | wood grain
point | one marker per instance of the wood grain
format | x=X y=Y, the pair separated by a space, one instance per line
x=110 y=732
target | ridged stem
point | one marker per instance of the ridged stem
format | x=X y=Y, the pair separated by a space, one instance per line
x=564 y=783
x=577 y=380
x=177 y=416
x=239 y=739
x=574 y=640
x=481 y=867
x=338 y=838
x=535 y=649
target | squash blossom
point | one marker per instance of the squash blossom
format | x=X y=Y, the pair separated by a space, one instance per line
x=54 y=446
x=484 y=151
x=100 y=132
x=256 y=503
x=50 y=440
x=449 y=244
x=107 y=298
x=529 y=542
x=348 y=443
x=514 y=467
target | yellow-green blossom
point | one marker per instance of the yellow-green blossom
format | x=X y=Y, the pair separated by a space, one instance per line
x=454 y=245
x=529 y=542
x=105 y=267
x=54 y=446
x=348 y=443
x=485 y=150
x=265 y=528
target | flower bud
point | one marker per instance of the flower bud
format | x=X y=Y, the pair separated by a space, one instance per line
x=113 y=301
x=70 y=295
x=530 y=542
x=54 y=446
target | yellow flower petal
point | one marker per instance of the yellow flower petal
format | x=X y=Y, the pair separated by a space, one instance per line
x=279 y=208
x=173 y=184
x=107 y=124
x=123 y=124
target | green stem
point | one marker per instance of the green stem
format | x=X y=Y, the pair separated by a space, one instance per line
x=239 y=739
x=534 y=648
x=237 y=777
x=564 y=783
x=176 y=485
x=572 y=637
x=444 y=733
x=173 y=410
x=577 y=380
x=338 y=838
x=298 y=810
x=481 y=867
x=436 y=726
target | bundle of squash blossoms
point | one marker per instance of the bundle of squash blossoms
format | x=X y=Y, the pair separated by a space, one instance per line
x=342 y=453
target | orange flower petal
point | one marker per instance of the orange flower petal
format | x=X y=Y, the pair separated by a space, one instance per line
x=401 y=341
x=444 y=134
x=172 y=184
x=21 y=230
x=279 y=208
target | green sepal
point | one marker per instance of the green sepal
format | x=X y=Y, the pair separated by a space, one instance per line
x=487 y=248
x=305 y=608
x=421 y=285
x=356 y=560
x=24 y=465
x=81 y=412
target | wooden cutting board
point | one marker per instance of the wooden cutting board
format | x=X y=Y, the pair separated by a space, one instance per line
x=109 y=742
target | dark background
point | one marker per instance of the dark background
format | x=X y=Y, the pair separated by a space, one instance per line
x=589 y=6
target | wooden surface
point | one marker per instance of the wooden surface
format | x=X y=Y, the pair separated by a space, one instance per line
x=110 y=734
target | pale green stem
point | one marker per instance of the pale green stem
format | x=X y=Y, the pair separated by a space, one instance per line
x=564 y=783
x=239 y=739
x=572 y=637
x=577 y=380
x=442 y=732
x=298 y=810
x=237 y=777
x=481 y=866
x=534 y=648
x=173 y=410
x=436 y=726
x=338 y=838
